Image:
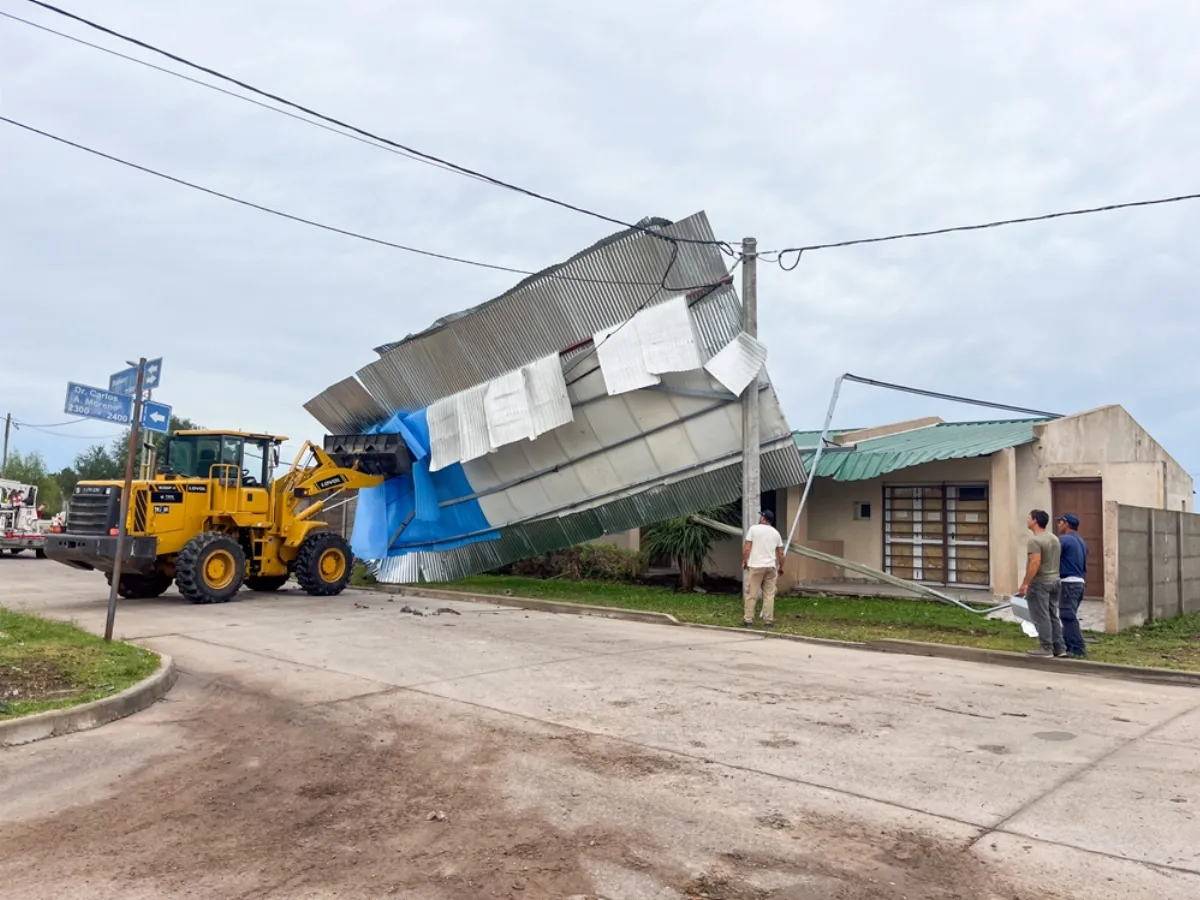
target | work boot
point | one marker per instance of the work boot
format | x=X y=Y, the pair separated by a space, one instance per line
x=768 y=625
x=746 y=624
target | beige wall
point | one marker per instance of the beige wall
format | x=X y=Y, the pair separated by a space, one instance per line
x=831 y=504
x=626 y=540
x=1105 y=443
x=1108 y=443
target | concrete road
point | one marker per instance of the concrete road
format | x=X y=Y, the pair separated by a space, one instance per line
x=346 y=747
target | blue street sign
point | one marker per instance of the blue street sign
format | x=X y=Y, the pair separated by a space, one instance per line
x=156 y=417
x=97 y=403
x=125 y=381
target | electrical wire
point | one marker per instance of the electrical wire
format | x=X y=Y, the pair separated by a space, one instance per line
x=80 y=437
x=462 y=170
x=707 y=289
x=226 y=92
x=48 y=424
x=777 y=256
x=343 y=231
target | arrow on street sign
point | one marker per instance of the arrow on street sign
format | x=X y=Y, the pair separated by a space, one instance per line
x=156 y=417
x=97 y=403
x=125 y=381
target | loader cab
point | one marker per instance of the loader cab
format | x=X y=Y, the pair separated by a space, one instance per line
x=192 y=454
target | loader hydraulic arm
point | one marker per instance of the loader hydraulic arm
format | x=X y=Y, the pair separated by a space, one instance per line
x=315 y=472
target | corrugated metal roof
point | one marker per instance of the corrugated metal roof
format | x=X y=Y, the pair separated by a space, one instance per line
x=949 y=440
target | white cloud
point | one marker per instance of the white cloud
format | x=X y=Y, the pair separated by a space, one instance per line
x=798 y=123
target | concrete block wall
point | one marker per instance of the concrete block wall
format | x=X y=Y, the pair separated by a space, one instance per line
x=1152 y=565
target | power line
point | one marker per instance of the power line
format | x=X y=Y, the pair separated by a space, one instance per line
x=48 y=424
x=80 y=437
x=345 y=232
x=462 y=170
x=799 y=251
x=226 y=92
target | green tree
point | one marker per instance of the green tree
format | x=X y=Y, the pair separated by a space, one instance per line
x=120 y=446
x=687 y=543
x=96 y=464
x=30 y=468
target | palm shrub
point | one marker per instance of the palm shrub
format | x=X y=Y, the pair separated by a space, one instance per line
x=686 y=542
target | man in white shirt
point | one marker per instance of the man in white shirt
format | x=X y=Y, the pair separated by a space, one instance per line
x=762 y=559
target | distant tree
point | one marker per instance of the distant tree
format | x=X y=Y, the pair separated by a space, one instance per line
x=96 y=464
x=121 y=445
x=687 y=543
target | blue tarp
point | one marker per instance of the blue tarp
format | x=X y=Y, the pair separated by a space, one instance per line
x=415 y=499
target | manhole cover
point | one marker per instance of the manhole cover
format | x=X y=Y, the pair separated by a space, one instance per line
x=1055 y=736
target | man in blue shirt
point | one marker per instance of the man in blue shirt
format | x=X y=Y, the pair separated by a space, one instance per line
x=1072 y=573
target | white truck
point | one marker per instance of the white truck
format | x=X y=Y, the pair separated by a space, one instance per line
x=20 y=526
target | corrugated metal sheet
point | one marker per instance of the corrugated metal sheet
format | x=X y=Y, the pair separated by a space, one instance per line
x=542 y=315
x=949 y=440
x=618 y=462
x=346 y=408
x=780 y=468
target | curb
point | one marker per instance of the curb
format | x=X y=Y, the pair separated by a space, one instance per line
x=908 y=648
x=550 y=606
x=1020 y=661
x=57 y=722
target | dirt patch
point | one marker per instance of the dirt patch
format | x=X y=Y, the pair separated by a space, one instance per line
x=34 y=678
x=268 y=800
x=412 y=797
x=612 y=759
x=778 y=743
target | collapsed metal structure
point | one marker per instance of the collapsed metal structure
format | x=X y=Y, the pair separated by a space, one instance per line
x=593 y=397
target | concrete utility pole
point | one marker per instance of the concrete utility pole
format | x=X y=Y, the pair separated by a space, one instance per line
x=122 y=523
x=4 y=459
x=751 y=483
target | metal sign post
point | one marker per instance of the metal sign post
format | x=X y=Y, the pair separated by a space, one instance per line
x=126 y=402
x=134 y=428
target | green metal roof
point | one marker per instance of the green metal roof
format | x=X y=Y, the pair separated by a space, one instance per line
x=949 y=440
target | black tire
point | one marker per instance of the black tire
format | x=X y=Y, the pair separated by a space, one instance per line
x=141 y=587
x=39 y=553
x=316 y=569
x=198 y=564
x=16 y=551
x=266 y=582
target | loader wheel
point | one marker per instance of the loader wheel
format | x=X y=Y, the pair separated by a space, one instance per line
x=141 y=587
x=16 y=551
x=39 y=553
x=210 y=568
x=323 y=564
x=266 y=582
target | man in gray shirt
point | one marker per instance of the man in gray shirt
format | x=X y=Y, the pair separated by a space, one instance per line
x=1040 y=586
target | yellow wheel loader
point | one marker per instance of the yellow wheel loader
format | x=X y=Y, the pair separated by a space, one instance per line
x=214 y=517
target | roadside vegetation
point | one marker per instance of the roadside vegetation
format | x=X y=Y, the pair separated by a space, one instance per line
x=1171 y=644
x=50 y=665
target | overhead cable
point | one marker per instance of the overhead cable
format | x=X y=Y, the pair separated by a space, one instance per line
x=226 y=92
x=778 y=256
x=462 y=170
x=346 y=232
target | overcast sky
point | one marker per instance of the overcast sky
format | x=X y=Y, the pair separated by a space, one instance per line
x=796 y=122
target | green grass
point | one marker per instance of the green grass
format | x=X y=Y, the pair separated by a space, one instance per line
x=1171 y=644
x=51 y=665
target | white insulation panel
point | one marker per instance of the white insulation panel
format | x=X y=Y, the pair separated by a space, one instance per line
x=668 y=338
x=507 y=406
x=619 y=350
x=546 y=390
x=738 y=362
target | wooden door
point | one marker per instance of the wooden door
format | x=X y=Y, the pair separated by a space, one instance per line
x=1084 y=498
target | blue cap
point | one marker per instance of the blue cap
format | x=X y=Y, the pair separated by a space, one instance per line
x=1071 y=519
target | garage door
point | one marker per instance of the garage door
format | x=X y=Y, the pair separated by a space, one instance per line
x=937 y=533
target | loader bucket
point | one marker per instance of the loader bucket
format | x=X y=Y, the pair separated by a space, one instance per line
x=375 y=454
